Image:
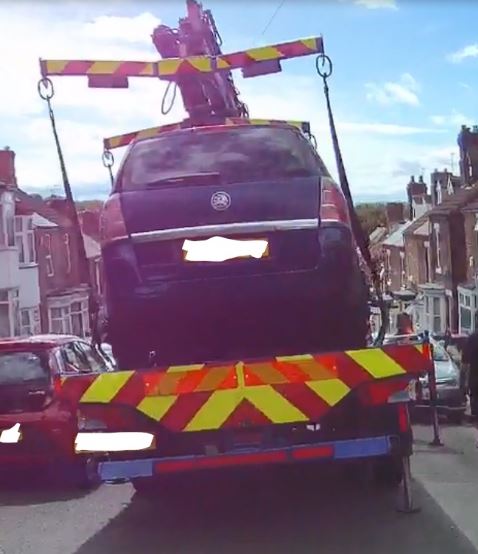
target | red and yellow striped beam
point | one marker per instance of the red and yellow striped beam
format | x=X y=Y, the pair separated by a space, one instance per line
x=125 y=139
x=171 y=67
x=281 y=390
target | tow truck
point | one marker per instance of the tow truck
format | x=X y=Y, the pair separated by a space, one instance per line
x=236 y=296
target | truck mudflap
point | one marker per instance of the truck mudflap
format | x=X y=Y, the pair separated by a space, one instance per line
x=338 y=450
x=280 y=390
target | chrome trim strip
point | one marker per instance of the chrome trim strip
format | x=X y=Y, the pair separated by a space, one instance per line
x=225 y=229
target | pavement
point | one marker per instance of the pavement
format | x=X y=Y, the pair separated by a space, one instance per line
x=303 y=510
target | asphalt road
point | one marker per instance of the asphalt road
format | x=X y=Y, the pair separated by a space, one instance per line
x=275 y=512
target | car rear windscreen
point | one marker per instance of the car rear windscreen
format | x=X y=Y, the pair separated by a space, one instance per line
x=234 y=154
x=22 y=367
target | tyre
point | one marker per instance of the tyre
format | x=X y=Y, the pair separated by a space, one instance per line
x=388 y=472
x=85 y=474
x=146 y=487
x=456 y=418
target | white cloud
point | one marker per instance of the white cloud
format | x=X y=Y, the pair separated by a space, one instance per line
x=378 y=4
x=403 y=91
x=453 y=119
x=470 y=51
x=85 y=116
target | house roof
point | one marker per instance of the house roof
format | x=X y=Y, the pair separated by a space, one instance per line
x=459 y=200
x=40 y=221
x=377 y=234
x=396 y=237
x=34 y=204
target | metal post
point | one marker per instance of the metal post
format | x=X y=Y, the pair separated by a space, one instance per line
x=433 y=398
x=407 y=506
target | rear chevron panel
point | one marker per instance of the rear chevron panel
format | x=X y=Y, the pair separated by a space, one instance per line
x=279 y=390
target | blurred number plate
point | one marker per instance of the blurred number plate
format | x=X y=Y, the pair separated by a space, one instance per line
x=221 y=249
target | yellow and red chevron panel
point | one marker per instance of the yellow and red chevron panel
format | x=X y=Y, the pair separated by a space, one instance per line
x=123 y=140
x=170 y=67
x=278 y=391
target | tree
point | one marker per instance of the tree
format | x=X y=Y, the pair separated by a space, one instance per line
x=371 y=216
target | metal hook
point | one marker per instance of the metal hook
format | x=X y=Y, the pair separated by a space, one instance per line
x=108 y=158
x=45 y=88
x=324 y=70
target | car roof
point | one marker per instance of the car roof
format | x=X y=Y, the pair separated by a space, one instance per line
x=37 y=342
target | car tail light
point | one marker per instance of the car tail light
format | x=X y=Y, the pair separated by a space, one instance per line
x=112 y=223
x=333 y=205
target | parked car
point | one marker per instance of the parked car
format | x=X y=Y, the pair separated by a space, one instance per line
x=37 y=426
x=450 y=381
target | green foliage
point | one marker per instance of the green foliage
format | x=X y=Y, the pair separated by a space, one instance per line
x=89 y=205
x=371 y=216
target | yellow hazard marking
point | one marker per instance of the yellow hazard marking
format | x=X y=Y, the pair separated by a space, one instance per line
x=148 y=69
x=106 y=386
x=330 y=390
x=376 y=362
x=184 y=368
x=267 y=373
x=147 y=133
x=215 y=411
x=310 y=43
x=263 y=54
x=213 y=378
x=103 y=68
x=169 y=66
x=156 y=407
x=273 y=405
x=113 y=142
x=295 y=359
x=201 y=63
x=222 y=63
x=55 y=66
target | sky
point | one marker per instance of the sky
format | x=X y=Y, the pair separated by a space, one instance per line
x=405 y=79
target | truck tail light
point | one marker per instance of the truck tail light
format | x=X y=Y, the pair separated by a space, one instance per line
x=333 y=205
x=112 y=223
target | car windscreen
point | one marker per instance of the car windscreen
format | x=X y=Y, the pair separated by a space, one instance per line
x=232 y=154
x=22 y=367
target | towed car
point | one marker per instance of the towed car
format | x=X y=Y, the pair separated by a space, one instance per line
x=223 y=241
x=37 y=427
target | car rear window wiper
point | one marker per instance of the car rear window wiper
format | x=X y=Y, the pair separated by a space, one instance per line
x=186 y=178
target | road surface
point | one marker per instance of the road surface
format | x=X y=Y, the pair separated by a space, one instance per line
x=275 y=512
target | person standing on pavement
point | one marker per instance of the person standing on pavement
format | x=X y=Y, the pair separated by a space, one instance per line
x=470 y=361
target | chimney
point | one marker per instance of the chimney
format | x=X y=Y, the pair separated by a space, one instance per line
x=415 y=189
x=394 y=214
x=468 y=144
x=7 y=167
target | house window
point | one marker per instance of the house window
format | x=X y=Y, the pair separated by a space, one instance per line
x=9 y=313
x=436 y=229
x=70 y=318
x=79 y=317
x=7 y=220
x=467 y=303
x=27 y=321
x=427 y=263
x=436 y=323
x=60 y=320
x=50 y=270
x=25 y=240
x=98 y=276
x=402 y=269
x=66 y=240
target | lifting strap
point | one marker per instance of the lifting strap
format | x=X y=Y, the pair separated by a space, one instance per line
x=324 y=69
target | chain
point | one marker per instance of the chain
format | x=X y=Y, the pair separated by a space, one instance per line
x=108 y=161
x=46 y=91
x=324 y=68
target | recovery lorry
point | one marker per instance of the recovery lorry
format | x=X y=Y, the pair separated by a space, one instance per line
x=237 y=304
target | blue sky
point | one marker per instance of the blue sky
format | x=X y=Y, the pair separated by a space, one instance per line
x=405 y=79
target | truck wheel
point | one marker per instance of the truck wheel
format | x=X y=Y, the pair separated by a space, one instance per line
x=456 y=418
x=146 y=487
x=388 y=472
x=85 y=474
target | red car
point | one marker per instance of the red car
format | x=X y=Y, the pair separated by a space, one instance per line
x=37 y=427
